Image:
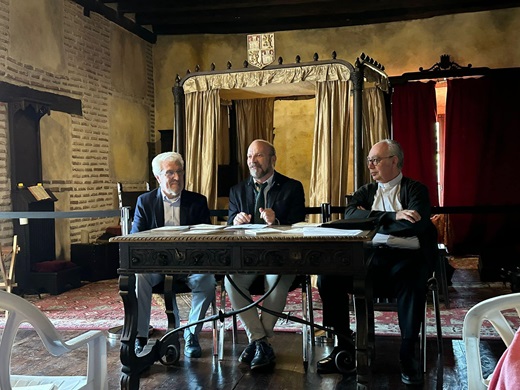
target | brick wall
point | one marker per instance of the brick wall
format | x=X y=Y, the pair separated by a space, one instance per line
x=91 y=184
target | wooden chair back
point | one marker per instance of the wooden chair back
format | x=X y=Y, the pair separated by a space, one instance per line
x=7 y=266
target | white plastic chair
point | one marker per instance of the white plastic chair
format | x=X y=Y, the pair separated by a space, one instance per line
x=21 y=311
x=489 y=310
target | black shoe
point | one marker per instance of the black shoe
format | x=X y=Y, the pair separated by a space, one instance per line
x=411 y=373
x=264 y=355
x=248 y=354
x=140 y=343
x=191 y=346
x=345 y=363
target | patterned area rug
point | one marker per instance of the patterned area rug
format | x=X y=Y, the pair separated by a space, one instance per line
x=98 y=306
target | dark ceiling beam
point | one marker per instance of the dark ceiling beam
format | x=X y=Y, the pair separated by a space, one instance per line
x=258 y=24
x=180 y=17
x=113 y=16
x=358 y=12
x=12 y=93
x=135 y=6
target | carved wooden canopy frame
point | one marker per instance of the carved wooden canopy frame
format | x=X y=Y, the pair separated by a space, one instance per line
x=262 y=82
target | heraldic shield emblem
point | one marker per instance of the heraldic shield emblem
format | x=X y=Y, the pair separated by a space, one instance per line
x=260 y=49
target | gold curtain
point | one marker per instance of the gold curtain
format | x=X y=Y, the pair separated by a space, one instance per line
x=331 y=143
x=254 y=121
x=203 y=122
x=375 y=124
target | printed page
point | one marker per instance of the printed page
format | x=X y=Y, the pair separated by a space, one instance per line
x=39 y=192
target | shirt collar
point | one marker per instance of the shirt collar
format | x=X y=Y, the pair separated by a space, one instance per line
x=392 y=183
x=174 y=201
x=268 y=181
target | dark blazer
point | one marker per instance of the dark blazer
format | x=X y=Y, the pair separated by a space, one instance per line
x=413 y=196
x=286 y=197
x=149 y=211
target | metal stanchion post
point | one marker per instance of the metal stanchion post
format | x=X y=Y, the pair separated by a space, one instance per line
x=325 y=212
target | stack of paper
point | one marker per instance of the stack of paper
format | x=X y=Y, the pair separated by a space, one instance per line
x=206 y=226
x=171 y=228
x=248 y=226
x=324 y=232
x=305 y=224
x=265 y=230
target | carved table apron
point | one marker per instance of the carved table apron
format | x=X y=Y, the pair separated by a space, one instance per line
x=233 y=251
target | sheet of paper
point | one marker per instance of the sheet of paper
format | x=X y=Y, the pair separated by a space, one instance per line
x=267 y=230
x=205 y=226
x=305 y=224
x=323 y=232
x=171 y=228
x=248 y=226
x=200 y=231
x=298 y=230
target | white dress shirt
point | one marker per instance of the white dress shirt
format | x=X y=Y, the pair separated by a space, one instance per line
x=172 y=211
x=387 y=199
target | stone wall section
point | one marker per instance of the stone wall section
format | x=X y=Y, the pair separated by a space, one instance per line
x=89 y=184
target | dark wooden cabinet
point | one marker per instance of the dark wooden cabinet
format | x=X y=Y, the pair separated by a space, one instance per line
x=98 y=261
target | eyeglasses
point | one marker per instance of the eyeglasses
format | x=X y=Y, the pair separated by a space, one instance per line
x=170 y=173
x=375 y=161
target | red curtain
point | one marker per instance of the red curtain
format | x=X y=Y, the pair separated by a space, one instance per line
x=414 y=113
x=482 y=127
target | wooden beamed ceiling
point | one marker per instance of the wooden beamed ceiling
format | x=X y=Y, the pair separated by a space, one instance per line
x=150 y=18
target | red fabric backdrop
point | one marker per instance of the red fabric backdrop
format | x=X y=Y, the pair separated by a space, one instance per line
x=482 y=127
x=414 y=113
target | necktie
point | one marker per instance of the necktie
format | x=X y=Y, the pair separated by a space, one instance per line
x=259 y=201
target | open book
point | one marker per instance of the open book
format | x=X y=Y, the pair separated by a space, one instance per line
x=39 y=192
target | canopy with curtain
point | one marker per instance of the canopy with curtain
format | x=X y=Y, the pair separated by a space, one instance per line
x=337 y=87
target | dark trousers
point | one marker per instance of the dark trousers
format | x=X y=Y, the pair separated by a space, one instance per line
x=397 y=273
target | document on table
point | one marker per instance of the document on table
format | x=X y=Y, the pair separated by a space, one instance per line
x=206 y=226
x=305 y=224
x=265 y=230
x=324 y=232
x=171 y=228
x=201 y=231
x=248 y=226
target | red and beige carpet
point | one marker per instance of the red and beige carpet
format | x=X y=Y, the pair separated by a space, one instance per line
x=98 y=306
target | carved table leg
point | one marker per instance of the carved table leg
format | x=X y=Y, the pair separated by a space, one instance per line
x=133 y=365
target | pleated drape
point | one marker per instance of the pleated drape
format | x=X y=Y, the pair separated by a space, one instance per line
x=254 y=121
x=203 y=121
x=375 y=123
x=331 y=143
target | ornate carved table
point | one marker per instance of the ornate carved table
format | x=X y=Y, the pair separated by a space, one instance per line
x=233 y=251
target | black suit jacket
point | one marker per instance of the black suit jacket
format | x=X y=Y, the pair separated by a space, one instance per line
x=149 y=212
x=413 y=196
x=286 y=197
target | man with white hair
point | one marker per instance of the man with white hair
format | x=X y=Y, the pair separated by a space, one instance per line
x=171 y=205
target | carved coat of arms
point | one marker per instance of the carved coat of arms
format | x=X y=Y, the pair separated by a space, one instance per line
x=260 y=49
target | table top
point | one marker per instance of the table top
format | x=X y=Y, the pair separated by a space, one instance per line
x=273 y=233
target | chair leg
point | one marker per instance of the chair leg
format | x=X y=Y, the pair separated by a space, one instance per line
x=434 y=288
x=308 y=333
x=443 y=280
x=168 y=301
x=308 y=285
x=222 y=329
x=235 y=330
x=215 y=329
x=422 y=347
x=435 y=296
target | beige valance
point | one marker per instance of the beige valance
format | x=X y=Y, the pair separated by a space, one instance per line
x=278 y=77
